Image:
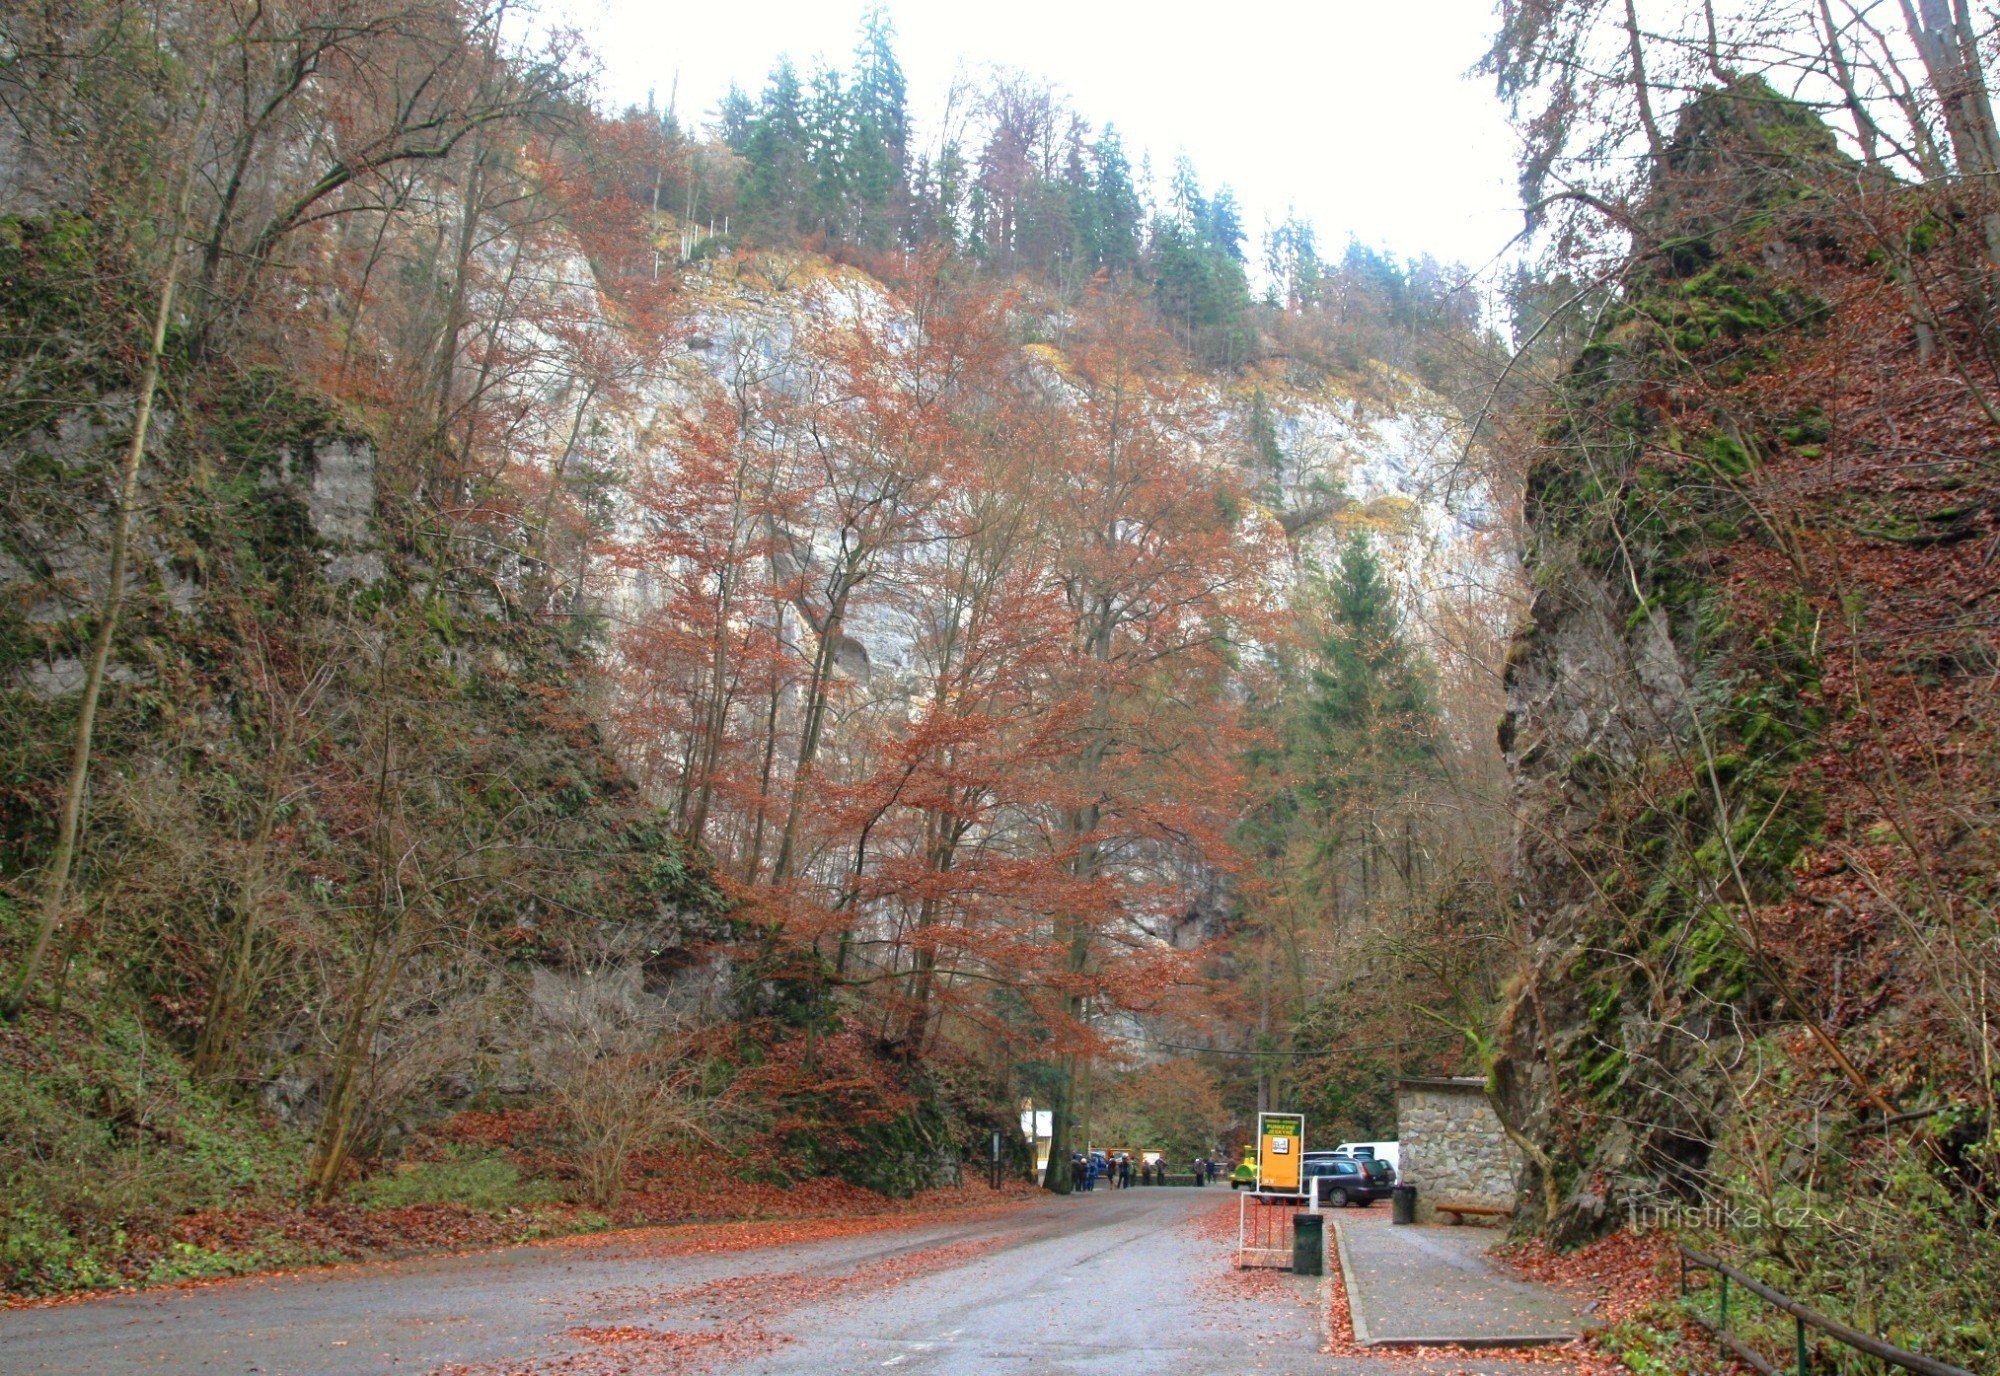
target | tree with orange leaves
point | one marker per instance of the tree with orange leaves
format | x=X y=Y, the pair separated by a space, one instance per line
x=1160 y=587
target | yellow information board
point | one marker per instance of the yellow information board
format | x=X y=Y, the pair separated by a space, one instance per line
x=1281 y=1147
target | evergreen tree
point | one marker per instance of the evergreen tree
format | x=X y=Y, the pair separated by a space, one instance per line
x=828 y=138
x=1371 y=718
x=977 y=211
x=877 y=171
x=1222 y=223
x=1118 y=216
x=1266 y=453
x=773 y=144
x=734 y=118
x=1189 y=206
x=1291 y=259
x=1201 y=291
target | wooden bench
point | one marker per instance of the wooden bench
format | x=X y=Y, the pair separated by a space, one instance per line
x=1460 y=1212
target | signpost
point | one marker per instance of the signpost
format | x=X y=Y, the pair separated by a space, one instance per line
x=1281 y=1149
x=1264 y=1214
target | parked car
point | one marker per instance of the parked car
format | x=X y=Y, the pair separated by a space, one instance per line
x=1383 y=1171
x=1345 y=1180
x=1380 y=1151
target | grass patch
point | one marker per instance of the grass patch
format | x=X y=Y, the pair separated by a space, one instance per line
x=485 y=1181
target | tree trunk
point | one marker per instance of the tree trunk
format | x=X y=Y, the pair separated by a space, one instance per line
x=1057 y=1180
x=716 y=718
x=380 y=968
x=1641 y=88
x=809 y=738
x=1950 y=52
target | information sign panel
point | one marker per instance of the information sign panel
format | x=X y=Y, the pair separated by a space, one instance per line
x=1281 y=1148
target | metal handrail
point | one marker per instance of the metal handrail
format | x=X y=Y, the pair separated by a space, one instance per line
x=1802 y=1319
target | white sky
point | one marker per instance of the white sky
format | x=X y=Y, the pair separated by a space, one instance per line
x=1357 y=112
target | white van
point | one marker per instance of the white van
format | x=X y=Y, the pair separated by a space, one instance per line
x=1380 y=1151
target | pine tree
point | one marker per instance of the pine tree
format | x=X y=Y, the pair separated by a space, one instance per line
x=1371 y=718
x=878 y=151
x=773 y=144
x=829 y=136
x=1291 y=259
x=1189 y=206
x=1118 y=216
x=1266 y=453
x=734 y=118
x=1222 y=224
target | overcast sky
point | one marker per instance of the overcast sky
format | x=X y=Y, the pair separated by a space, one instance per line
x=1357 y=112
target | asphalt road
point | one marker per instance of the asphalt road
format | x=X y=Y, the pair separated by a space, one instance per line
x=1131 y=1283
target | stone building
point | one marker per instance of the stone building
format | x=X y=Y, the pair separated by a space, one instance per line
x=1452 y=1146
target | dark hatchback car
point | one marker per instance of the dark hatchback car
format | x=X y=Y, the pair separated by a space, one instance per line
x=1345 y=1181
x=1382 y=1171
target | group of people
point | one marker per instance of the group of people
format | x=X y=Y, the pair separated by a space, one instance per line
x=1086 y=1171
x=1116 y=1171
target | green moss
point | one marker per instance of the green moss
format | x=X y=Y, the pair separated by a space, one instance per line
x=486 y=1181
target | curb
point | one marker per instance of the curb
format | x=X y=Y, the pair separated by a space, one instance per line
x=1354 y=1318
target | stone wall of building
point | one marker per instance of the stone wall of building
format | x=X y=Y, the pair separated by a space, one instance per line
x=1452 y=1146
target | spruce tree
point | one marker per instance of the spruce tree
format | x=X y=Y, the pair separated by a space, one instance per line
x=828 y=137
x=1118 y=216
x=773 y=144
x=877 y=155
x=1266 y=453
x=1222 y=224
x=1371 y=720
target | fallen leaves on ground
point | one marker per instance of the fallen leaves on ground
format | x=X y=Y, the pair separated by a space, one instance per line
x=730 y=1217
x=740 y=1309
x=1618 y=1275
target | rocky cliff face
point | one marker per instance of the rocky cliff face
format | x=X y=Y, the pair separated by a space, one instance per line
x=1747 y=710
x=281 y=604
x=1378 y=452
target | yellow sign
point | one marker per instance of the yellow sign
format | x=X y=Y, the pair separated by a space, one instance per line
x=1281 y=1147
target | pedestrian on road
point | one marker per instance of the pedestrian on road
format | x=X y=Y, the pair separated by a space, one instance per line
x=1078 y=1176
x=1200 y=1171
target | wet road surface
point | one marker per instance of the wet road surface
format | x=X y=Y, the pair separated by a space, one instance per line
x=1130 y=1283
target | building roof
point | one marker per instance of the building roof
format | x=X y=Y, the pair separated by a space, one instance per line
x=1463 y=1083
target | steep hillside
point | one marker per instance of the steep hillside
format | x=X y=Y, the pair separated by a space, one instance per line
x=1752 y=724
x=349 y=801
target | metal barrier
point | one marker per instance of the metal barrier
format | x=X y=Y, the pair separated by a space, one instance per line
x=1264 y=1229
x=1802 y=1319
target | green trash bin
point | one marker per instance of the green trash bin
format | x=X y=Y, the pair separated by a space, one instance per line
x=1308 y=1244
x=1403 y=1204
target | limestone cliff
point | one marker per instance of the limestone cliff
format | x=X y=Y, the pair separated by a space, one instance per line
x=1748 y=719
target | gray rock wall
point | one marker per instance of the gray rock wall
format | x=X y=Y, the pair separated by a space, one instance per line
x=1453 y=1148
